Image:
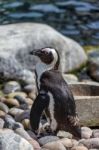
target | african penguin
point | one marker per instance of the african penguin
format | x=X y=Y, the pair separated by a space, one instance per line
x=54 y=96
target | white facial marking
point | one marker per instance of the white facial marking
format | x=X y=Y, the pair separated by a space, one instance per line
x=42 y=67
x=51 y=110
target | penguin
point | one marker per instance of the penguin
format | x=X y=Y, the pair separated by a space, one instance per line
x=54 y=96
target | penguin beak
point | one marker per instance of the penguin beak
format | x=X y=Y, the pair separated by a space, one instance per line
x=36 y=52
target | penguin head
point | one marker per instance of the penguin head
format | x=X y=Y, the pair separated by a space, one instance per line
x=48 y=56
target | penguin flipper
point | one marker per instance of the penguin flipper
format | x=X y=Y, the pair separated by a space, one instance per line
x=41 y=102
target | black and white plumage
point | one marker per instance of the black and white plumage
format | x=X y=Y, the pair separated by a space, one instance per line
x=54 y=96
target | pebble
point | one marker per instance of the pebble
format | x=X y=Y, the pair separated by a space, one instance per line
x=35 y=144
x=64 y=134
x=74 y=142
x=46 y=139
x=93 y=149
x=44 y=149
x=90 y=143
x=79 y=148
x=86 y=132
x=12 y=141
x=15 y=111
x=95 y=133
x=12 y=102
x=26 y=123
x=29 y=88
x=1 y=123
x=2 y=113
x=11 y=86
x=22 y=116
x=17 y=125
x=94 y=25
x=54 y=146
x=25 y=135
x=45 y=8
x=32 y=95
x=29 y=101
x=2 y=99
x=32 y=134
x=66 y=142
x=13 y=5
x=12 y=95
x=4 y=107
x=9 y=122
x=24 y=106
x=20 y=99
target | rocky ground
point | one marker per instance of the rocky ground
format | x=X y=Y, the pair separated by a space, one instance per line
x=18 y=90
x=15 y=131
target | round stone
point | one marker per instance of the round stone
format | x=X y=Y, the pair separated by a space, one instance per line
x=17 y=125
x=74 y=142
x=2 y=99
x=64 y=134
x=66 y=142
x=79 y=148
x=20 y=99
x=29 y=88
x=46 y=139
x=4 y=107
x=23 y=133
x=12 y=102
x=12 y=95
x=29 y=101
x=2 y=113
x=12 y=141
x=26 y=123
x=9 y=122
x=11 y=86
x=54 y=146
x=35 y=144
x=90 y=143
x=86 y=132
x=32 y=95
x=24 y=106
x=1 y=123
x=95 y=133
x=32 y=134
x=15 y=111
x=22 y=116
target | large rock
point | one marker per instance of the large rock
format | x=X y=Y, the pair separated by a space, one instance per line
x=11 y=141
x=16 y=40
x=86 y=96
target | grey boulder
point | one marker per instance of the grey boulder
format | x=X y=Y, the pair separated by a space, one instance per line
x=17 y=40
x=11 y=141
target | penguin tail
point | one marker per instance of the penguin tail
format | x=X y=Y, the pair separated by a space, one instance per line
x=74 y=126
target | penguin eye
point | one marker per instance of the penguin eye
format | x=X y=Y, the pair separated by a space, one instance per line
x=45 y=52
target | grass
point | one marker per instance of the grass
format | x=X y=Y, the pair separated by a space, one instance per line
x=90 y=48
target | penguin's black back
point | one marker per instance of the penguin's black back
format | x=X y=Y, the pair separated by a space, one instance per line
x=64 y=104
x=53 y=82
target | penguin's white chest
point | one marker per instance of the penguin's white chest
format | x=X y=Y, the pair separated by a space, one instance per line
x=51 y=108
